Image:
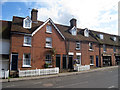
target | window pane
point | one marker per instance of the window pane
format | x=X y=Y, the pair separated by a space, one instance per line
x=26 y=59
x=27 y=40
x=49 y=28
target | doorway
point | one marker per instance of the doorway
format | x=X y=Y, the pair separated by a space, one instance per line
x=97 y=61
x=64 y=61
x=14 y=64
x=58 y=61
x=70 y=65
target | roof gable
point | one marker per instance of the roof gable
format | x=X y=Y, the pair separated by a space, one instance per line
x=48 y=20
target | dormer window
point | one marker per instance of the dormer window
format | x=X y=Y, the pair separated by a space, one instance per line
x=101 y=36
x=49 y=29
x=73 y=31
x=113 y=38
x=86 y=33
x=27 y=22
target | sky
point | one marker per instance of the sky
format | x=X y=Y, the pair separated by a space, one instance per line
x=98 y=15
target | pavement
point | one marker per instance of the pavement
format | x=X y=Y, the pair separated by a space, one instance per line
x=56 y=75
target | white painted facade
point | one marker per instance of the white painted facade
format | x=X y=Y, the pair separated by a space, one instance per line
x=4 y=50
x=4 y=46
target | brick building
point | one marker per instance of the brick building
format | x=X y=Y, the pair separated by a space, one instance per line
x=37 y=44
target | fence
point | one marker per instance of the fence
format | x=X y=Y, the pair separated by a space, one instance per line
x=4 y=74
x=82 y=68
x=37 y=72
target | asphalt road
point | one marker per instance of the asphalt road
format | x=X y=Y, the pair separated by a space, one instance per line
x=98 y=79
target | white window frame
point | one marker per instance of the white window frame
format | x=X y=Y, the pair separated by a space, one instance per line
x=49 y=60
x=24 y=23
x=48 y=41
x=92 y=59
x=86 y=32
x=24 y=65
x=104 y=48
x=77 y=43
x=79 y=59
x=26 y=44
x=90 y=46
x=48 y=29
x=101 y=36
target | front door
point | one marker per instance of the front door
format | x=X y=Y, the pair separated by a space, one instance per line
x=96 y=61
x=14 y=64
x=70 y=65
x=58 y=61
x=64 y=61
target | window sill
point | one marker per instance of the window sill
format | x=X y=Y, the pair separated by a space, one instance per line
x=77 y=48
x=91 y=50
x=48 y=46
x=26 y=66
x=91 y=64
x=26 y=45
x=48 y=32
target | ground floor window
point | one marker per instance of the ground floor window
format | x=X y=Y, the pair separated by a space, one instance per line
x=26 y=60
x=48 y=59
x=107 y=61
x=91 y=60
x=78 y=59
x=117 y=58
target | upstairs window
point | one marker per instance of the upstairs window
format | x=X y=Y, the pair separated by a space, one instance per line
x=26 y=60
x=104 y=48
x=77 y=45
x=114 y=49
x=27 y=41
x=49 y=42
x=101 y=36
x=27 y=23
x=90 y=46
x=86 y=32
x=49 y=29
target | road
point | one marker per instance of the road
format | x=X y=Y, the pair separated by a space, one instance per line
x=107 y=78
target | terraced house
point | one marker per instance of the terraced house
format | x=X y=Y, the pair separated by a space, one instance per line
x=37 y=44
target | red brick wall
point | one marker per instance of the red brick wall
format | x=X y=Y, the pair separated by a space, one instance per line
x=109 y=51
x=85 y=52
x=38 y=50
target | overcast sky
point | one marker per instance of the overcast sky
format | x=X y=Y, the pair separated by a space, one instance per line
x=98 y=15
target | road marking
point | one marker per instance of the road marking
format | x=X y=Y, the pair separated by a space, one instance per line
x=111 y=87
x=72 y=84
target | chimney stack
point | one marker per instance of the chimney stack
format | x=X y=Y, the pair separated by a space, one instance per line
x=73 y=22
x=34 y=15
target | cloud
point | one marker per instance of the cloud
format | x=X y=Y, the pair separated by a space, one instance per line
x=93 y=14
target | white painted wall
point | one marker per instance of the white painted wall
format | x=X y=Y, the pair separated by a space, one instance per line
x=4 y=46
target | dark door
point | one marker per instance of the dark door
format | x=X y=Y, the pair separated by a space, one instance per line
x=64 y=61
x=58 y=61
x=70 y=65
x=96 y=61
x=14 y=65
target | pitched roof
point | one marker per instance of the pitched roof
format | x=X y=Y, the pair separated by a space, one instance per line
x=5 y=30
x=17 y=26
x=107 y=38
